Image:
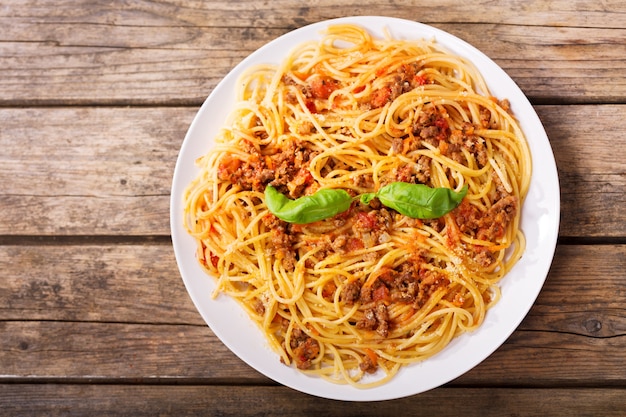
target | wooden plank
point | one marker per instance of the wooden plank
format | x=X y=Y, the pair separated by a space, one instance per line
x=100 y=152
x=538 y=358
x=159 y=53
x=94 y=283
x=550 y=64
x=108 y=352
x=292 y=13
x=145 y=400
x=85 y=351
x=584 y=293
x=84 y=215
x=109 y=283
x=91 y=171
x=70 y=318
x=63 y=177
x=591 y=161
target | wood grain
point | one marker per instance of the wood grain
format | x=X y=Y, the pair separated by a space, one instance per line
x=290 y=14
x=175 y=52
x=584 y=293
x=94 y=282
x=144 y=353
x=94 y=171
x=122 y=312
x=100 y=283
x=150 y=400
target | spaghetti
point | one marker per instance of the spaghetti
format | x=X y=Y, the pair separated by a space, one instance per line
x=354 y=297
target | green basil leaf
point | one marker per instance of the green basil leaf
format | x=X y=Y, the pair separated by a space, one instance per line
x=418 y=201
x=367 y=197
x=321 y=205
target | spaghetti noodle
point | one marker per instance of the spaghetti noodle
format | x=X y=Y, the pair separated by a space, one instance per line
x=354 y=297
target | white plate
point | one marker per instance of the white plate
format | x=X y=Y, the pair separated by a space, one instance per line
x=540 y=223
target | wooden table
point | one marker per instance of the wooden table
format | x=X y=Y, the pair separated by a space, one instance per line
x=95 y=99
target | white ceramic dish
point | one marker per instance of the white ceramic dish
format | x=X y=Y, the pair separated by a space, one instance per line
x=540 y=223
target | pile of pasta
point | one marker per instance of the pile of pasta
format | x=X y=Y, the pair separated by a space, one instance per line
x=355 y=297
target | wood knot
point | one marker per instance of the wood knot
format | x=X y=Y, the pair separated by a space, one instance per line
x=593 y=325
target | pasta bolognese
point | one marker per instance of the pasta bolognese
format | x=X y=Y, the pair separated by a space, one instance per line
x=300 y=208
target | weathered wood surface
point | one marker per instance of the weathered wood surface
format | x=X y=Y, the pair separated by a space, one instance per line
x=95 y=171
x=150 y=400
x=95 y=99
x=120 y=311
x=88 y=52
